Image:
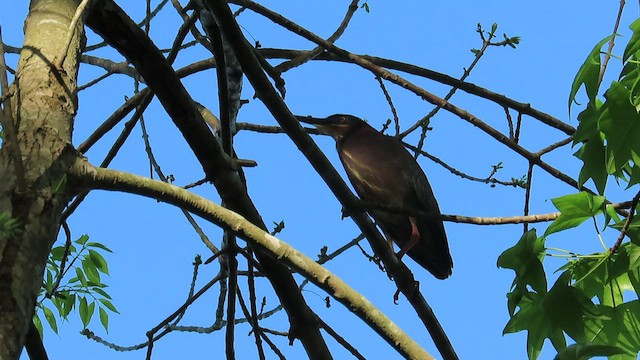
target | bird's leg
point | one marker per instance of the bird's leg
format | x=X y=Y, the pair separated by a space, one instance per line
x=389 y=239
x=413 y=240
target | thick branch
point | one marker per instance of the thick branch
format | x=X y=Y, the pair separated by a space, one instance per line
x=113 y=24
x=268 y=95
x=425 y=95
x=106 y=179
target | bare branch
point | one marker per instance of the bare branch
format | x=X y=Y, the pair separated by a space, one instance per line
x=106 y=179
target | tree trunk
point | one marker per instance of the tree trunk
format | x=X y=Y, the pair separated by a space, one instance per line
x=44 y=104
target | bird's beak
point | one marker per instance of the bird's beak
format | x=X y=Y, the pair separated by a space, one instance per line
x=319 y=123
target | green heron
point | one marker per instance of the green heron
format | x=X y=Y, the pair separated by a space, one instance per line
x=382 y=171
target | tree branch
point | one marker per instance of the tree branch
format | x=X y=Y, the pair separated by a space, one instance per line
x=109 y=21
x=106 y=179
x=268 y=95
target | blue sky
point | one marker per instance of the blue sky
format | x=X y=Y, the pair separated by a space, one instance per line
x=154 y=246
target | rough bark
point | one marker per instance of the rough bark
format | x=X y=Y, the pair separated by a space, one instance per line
x=44 y=105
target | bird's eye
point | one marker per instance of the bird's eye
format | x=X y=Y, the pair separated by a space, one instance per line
x=343 y=120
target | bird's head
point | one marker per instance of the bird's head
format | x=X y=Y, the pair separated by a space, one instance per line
x=336 y=126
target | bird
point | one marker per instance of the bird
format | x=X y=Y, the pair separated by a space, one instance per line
x=383 y=172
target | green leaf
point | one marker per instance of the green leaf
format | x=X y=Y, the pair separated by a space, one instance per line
x=104 y=319
x=633 y=46
x=587 y=351
x=38 y=323
x=8 y=225
x=90 y=270
x=588 y=123
x=57 y=253
x=634 y=279
x=594 y=167
x=99 y=246
x=525 y=259
x=588 y=74
x=101 y=292
x=83 y=310
x=621 y=126
x=81 y=277
x=620 y=327
x=566 y=307
x=634 y=256
x=109 y=305
x=51 y=319
x=532 y=318
x=592 y=152
x=99 y=261
x=48 y=281
x=634 y=177
x=91 y=309
x=574 y=210
x=68 y=303
x=82 y=240
x=605 y=276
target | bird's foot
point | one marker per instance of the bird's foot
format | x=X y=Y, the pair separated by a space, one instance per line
x=412 y=292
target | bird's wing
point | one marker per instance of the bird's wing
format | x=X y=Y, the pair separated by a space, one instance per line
x=422 y=192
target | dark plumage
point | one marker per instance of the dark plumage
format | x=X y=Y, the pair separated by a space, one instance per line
x=382 y=171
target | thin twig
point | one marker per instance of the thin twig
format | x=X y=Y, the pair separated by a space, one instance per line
x=476 y=220
x=627 y=223
x=297 y=61
x=63 y=261
x=396 y=120
x=72 y=29
x=554 y=146
x=342 y=341
x=467 y=71
x=254 y=324
x=607 y=56
x=527 y=195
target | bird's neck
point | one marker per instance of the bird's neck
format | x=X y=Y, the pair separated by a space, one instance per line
x=344 y=137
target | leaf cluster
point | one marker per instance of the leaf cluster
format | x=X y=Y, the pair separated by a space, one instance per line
x=594 y=300
x=608 y=130
x=586 y=302
x=73 y=280
x=8 y=225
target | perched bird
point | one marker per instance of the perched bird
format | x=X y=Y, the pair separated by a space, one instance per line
x=382 y=171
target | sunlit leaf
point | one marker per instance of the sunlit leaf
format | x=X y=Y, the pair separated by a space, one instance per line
x=101 y=292
x=588 y=74
x=574 y=210
x=633 y=46
x=99 y=246
x=91 y=271
x=83 y=311
x=82 y=239
x=81 y=277
x=104 y=319
x=621 y=327
x=99 y=262
x=38 y=324
x=51 y=319
x=68 y=304
x=109 y=305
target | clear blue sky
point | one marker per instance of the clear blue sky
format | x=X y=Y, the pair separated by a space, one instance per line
x=154 y=246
